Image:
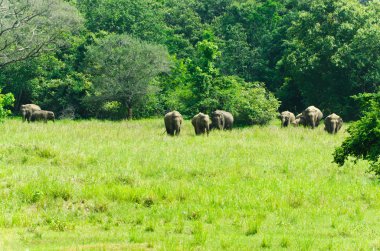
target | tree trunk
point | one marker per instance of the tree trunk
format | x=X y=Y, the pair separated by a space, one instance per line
x=129 y=116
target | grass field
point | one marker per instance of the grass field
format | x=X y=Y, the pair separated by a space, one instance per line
x=93 y=185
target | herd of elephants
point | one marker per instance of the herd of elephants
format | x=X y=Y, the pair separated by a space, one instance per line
x=202 y=123
x=223 y=120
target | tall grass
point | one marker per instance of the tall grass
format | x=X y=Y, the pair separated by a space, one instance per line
x=125 y=185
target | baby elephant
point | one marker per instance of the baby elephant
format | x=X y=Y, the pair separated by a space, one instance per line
x=300 y=120
x=173 y=121
x=222 y=120
x=201 y=123
x=42 y=115
x=333 y=123
x=27 y=110
x=287 y=118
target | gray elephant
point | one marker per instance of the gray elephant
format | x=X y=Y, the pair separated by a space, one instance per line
x=173 y=121
x=42 y=115
x=222 y=120
x=201 y=123
x=287 y=118
x=333 y=123
x=312 y=116
x=27 y=110
x=300 y=120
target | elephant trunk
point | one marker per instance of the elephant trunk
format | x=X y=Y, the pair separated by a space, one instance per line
x=220 y=124
x=285 y=122
x=312 y=119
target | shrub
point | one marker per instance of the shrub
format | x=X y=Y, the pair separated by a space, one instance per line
x=6 y=100
x=364 y=139
x=250 y=103
x=255 y=105
x=63 y=96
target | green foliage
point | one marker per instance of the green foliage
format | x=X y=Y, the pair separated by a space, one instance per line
x=184 y=27
x=140 y=18
x=6 y=101
x=256 y=105
x=251 y=33
x=364 y=139
x=64 y=95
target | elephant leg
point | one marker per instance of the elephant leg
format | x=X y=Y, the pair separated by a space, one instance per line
x=168 y=130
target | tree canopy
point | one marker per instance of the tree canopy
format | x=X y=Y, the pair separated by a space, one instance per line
x=122 y=68
x=30 y=27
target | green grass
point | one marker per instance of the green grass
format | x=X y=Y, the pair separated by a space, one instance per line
x=95 y=185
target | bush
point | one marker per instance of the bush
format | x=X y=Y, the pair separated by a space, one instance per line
x=250 y=103
x=364 y=139
x=6 y=100
x=256 y=105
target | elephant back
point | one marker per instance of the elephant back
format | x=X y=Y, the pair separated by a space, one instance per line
x=31 y=107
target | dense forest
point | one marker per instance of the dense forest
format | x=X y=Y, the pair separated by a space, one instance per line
x=113 y=59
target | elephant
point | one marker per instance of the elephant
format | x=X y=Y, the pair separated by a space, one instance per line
x=27 y=110
x=173 y=121
x=222 y=120
x=299 y=120
x=42 y=115
x=201 y=123
x=287 y=118
x=312 y=116
x=333 y=123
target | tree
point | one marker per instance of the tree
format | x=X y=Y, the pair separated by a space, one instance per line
x=364 y=139
x=122 y=68
x=184 y=27
x=251 y=38
x=29 y=27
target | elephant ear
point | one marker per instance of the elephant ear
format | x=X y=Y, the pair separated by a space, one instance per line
x=320 y=115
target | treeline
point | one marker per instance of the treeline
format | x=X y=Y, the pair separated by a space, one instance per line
x=122 y=58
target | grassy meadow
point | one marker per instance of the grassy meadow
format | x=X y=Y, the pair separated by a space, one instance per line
x=94 y=185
